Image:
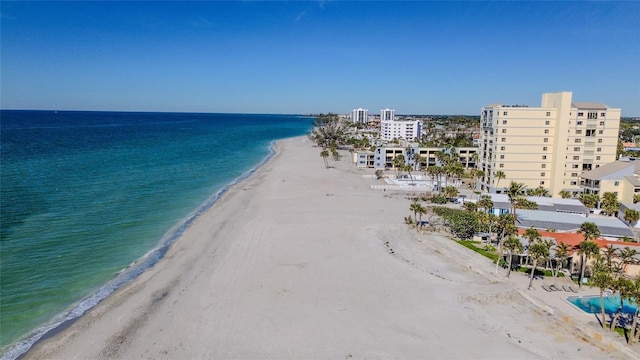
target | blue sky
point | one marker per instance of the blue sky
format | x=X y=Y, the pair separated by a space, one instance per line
x=420 y=57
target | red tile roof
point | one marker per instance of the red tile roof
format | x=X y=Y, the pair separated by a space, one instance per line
x=574 y=239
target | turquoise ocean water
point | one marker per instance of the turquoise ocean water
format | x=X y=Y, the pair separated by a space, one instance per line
x=84 y=195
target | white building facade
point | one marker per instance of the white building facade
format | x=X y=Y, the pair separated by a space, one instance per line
x=360 y=116
x=387 y=114
x=400 y=129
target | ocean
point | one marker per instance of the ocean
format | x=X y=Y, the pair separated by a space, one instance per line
x=89 y=200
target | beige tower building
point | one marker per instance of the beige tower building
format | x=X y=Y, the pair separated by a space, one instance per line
x=548 y=146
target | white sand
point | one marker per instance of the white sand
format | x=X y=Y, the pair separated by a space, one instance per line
x=292 y=263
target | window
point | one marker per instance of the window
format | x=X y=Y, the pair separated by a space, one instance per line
x=546 y=140
x=599 y=141
x=600 y=132
x=592 y=115
x=544 y=157
x=542 y=174
x=576 y=148
x=504 y=122
x=580 y=114
x=601 y=123
x=577 y=140
x=574 y=166
x=574 y=183
x=597 y=157
x=602 y=114
x=616 y=183
x=574 y=174
x=501 y=165
x=546 y=131
x=547 y=122
x=504 y=131
x=578 y=132
x=589 y=132
x=541 y=182
x=501 y=156
x=544 y=148
x=504 y=113
x=578 y=122
x=502 y=147
x=503 y=139
x=576 y=158
x=599 y=149
x=548 y=113
x=544 y=166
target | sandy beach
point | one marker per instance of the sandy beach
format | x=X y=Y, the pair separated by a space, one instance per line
x=304 y=262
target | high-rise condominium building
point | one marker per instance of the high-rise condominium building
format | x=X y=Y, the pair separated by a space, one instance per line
x=360 y=116
x=548 y=146
x=398 y=129
x=387 y=114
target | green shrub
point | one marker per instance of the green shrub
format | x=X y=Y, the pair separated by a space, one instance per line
x=438 y=199
x=463 y=224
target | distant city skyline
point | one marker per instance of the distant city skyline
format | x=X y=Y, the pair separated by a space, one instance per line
x=299 y=57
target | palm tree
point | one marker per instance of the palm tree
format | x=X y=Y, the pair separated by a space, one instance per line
x=514 y=246
x=485 y=203
x=589 y=200
x=538 y=251
x=398 y=164
x=514 y=191
x=562 y=252
x=334 y=153
x=499 y=175
x=434 y=172
x=564 y=194
x=450 y=192
x=421 y=211
x=325 y=154
x=634 y=292
x=601 y=277
x=624 y=287
x=415 y=207
x=631 y=216
x=627 y=256
x=586 y=249
x=506 y=227
x=418 y=159
x=532 y=235
x=408 y=169
x=610 y=203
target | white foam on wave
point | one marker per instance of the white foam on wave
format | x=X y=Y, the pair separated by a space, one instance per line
x=129 y=273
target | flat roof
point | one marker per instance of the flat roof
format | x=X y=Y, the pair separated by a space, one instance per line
x=609 y=226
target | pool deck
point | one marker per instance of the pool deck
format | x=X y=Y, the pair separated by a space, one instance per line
x=556 y=304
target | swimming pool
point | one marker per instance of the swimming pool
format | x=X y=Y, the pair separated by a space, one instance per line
x=591 y=304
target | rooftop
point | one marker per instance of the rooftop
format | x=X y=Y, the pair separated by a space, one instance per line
x=609 y=226
x=611 y=168
x=589 y=105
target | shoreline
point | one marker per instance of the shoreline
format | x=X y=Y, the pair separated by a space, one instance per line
x=62 y=321
x=299 y=261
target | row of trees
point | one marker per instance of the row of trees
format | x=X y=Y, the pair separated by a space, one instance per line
x=329 y=133
x=608 y=203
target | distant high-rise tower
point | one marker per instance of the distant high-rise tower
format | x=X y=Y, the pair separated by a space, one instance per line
x=360 y=116
x=387 y=115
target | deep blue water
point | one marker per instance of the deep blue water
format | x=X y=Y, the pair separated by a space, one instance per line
x=84 y=195
x=591 y=304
